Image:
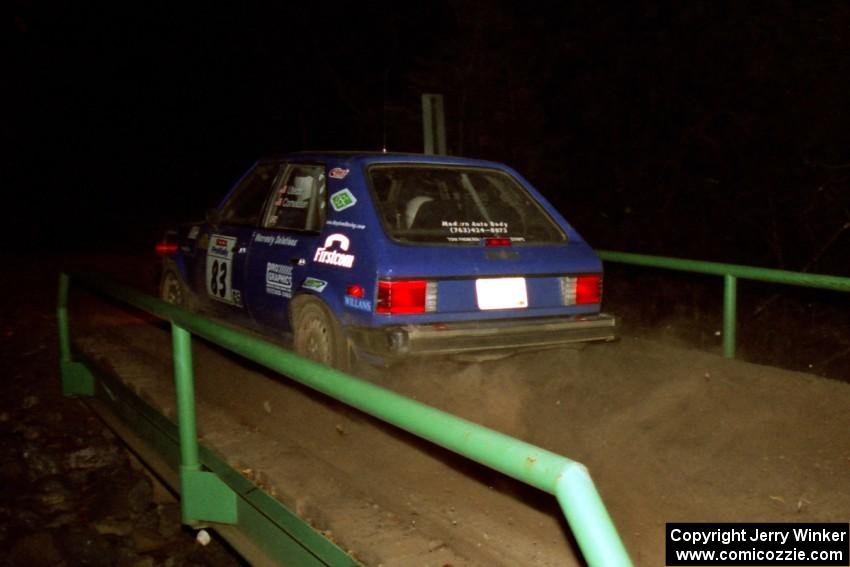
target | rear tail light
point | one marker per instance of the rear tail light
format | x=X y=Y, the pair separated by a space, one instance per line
x=406 y=297
x=581 y=290
x=163 y=248
x=497 y=242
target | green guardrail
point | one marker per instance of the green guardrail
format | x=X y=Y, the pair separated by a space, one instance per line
x=730 y=273
x=568 y=480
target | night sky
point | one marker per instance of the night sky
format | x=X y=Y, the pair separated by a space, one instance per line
x=716 y=130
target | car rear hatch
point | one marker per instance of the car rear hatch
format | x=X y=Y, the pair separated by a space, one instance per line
x=470 y=243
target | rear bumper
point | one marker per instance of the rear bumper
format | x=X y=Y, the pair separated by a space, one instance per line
x=464 y=337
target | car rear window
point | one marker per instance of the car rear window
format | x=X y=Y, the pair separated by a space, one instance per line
x=457 y=205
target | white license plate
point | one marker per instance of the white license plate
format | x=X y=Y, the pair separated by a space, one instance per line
x=501 y=293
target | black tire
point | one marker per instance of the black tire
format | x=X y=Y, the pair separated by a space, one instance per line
x=172 y=290
x=317 y=334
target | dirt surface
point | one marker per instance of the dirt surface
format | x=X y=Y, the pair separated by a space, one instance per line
x=669 y=434
x=70 y=492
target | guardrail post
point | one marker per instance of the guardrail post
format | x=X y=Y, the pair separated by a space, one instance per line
x=729 y=314
x=589 y=520
x=181 y=342
x=77 y=380
x=203 y=496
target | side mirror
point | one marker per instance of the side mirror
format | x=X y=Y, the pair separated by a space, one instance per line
x=213 y=217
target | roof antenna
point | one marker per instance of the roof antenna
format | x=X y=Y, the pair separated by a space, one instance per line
x=384 y=111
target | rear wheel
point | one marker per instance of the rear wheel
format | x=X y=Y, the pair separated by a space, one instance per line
x=318 y=336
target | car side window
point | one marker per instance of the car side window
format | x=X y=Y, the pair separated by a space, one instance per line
x=298 y=201
x=246 y=203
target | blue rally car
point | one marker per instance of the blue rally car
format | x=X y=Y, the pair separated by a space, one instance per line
x=381 y=256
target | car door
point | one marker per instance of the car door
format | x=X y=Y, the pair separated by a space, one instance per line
x=220 y=270
x=284 y=243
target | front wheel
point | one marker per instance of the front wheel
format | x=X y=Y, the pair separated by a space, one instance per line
x=318 y=336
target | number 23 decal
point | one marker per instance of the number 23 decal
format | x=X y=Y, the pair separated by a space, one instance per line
x=219 y=268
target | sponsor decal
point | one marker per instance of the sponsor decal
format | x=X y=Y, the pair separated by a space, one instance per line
x=278 y=279
x=222 y=246
x=478 y=239
x=285 y=241
x=357 y=303
x=237 y=297
x=219 y=269
x=337 y=173
x=293 y=204
x=346 y=224
x=475 y=227
x=295 y=191
x=277 y=240
x=342 y=200
x=315 y=284
x=327 y=255
x=193 y=232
